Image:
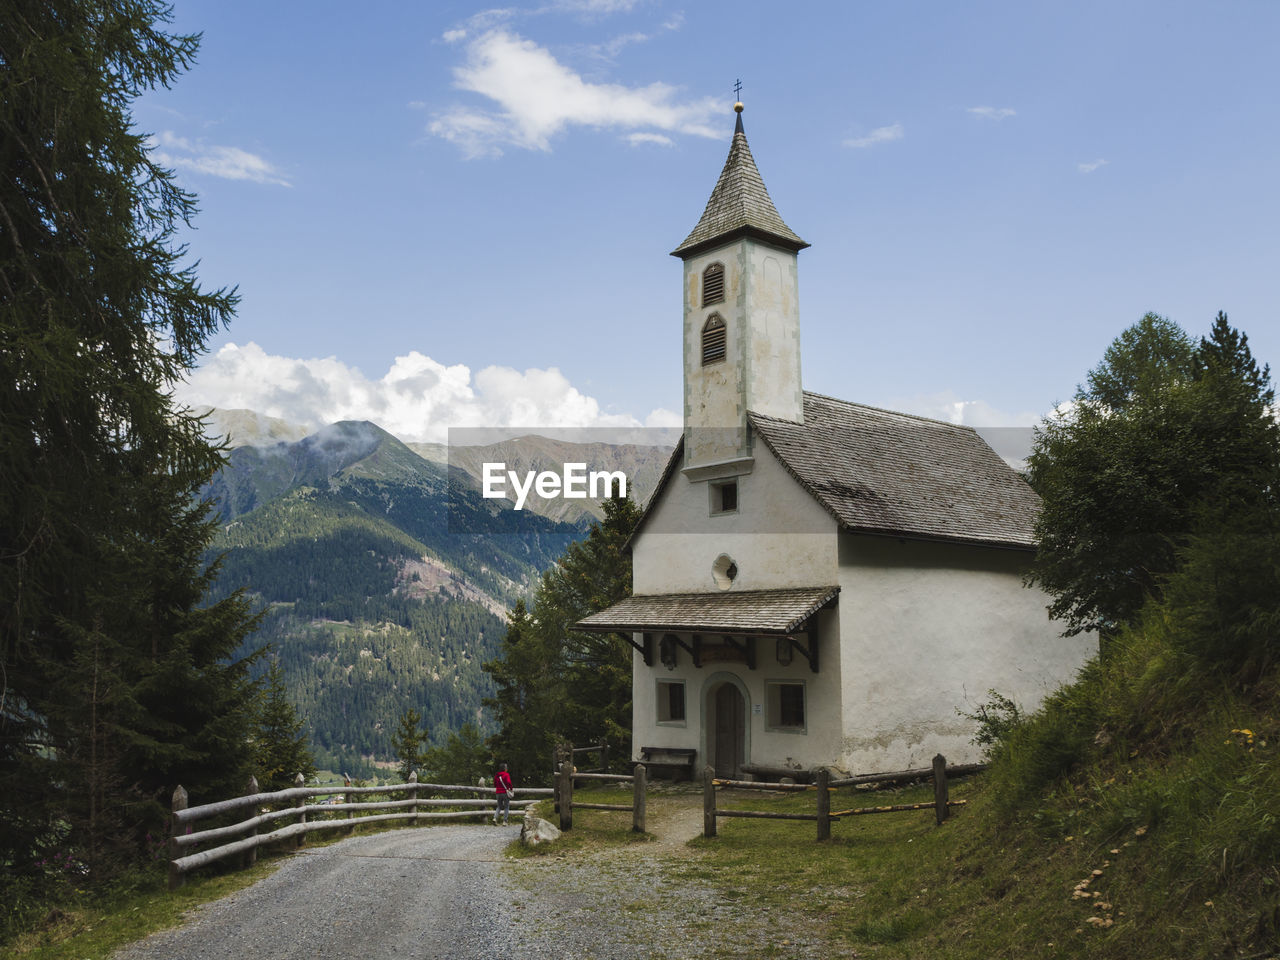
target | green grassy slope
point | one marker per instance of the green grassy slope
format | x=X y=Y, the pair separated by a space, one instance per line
x=1136 y=817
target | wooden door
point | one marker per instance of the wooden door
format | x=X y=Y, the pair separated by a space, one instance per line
x=730 y=731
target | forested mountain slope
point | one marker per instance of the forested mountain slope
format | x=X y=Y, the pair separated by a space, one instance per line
x=374 y=601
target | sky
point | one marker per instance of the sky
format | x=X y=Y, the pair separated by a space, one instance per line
x=451 y=215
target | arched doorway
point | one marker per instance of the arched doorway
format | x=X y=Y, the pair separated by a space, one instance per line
x=726 y=730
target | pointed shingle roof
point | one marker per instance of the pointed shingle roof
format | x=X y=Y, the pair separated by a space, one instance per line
x=739 y=206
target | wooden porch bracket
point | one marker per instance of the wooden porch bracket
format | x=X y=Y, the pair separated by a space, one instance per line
x=645 y=648
x=810 y=654
x=746 y=646
x=695 y=648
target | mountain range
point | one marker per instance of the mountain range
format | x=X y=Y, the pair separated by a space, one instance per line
x=383 y=575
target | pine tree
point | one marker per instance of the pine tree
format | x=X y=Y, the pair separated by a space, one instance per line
x=409 y=745
x=527 y=691
x=462 y=759
x=281 y=750
x=554 y=683
x=101 y=542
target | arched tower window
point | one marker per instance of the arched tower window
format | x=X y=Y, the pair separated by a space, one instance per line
x=713 y=284
x=713 y=340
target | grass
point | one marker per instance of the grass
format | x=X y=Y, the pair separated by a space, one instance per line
x=1134 y=855
x=593 y=830
x=93 y=928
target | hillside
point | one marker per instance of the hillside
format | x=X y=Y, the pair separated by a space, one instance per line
x=370 y=602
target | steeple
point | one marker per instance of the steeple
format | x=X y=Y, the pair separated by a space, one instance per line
x=741 y=320
x=739 y=206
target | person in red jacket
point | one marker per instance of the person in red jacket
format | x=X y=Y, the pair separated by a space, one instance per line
x=502 y=786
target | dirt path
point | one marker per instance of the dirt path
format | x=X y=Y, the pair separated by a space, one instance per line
x=656 y=900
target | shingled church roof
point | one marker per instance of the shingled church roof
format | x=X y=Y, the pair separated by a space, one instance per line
x=749 y=612
x=891 y=473
x=739 y=206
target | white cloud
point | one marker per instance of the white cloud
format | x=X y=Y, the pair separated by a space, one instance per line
x=993 y=113
x=1090 y=167
x=878 y=135
x=594 y=6
x=635 y=139
x=537 y=98
x=417 y=399
x=946 y=405
x=230 y=163
x=453 y=36
x=611 y=48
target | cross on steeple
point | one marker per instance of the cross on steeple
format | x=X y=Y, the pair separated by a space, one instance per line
x=737 y=89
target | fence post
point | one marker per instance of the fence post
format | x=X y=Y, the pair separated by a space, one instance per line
x=300 y=781
x=251 y=855
x=413 y=795
x=604 y=756
x=566 y=795
x=639 y=782
x=346 y=799
x=564 y=752
x=708 y=802
x=824 y=804
x=175 y=830
x=940 y=787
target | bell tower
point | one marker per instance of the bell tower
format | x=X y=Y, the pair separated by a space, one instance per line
x=741 y=318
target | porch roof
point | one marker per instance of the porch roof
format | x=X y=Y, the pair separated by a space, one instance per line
x=747 y=612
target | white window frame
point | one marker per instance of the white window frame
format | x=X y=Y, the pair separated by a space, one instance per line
x=773 y=708
x=715 y=488
x=661 y=704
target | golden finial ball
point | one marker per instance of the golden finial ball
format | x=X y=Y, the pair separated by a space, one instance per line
x=737 y=107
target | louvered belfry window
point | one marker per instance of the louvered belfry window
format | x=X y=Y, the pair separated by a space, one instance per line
x=713 y=284
x=713 y=340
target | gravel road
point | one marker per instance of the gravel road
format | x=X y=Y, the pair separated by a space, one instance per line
x=449 y=892
x=408 y=893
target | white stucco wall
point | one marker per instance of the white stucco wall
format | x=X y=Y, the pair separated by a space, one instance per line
x=927 y=629
x=780 y=537
x=820 y=740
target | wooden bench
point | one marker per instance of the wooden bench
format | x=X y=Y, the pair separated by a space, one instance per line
x=679 y=759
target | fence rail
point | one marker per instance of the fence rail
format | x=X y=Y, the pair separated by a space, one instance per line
x=416 y=808
x=825 y=787
x=639 y=794
x=567 y=752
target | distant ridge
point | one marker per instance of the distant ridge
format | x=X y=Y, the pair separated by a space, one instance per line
x=260 y=472
x=248 y=428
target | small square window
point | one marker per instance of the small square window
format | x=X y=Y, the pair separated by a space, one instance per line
x=724 y=497
x=671 y=701
x=786 y=706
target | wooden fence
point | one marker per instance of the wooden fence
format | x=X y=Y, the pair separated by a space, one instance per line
x=825 y=787
x=567 y=752
x=639 y=793
x=350 y=813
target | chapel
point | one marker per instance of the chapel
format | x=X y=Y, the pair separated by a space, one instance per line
x=817 y=582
